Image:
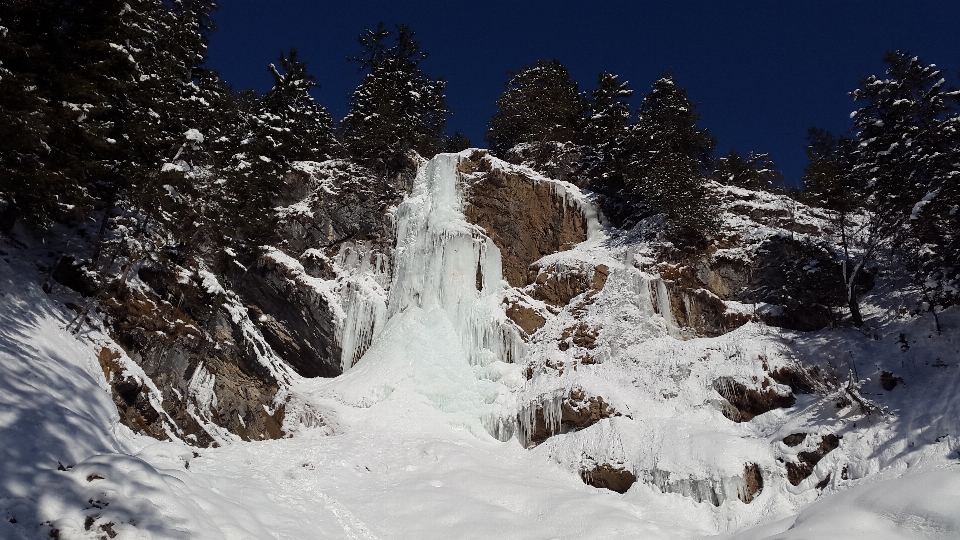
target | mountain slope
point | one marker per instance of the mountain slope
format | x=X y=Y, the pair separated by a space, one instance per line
x=510 y=367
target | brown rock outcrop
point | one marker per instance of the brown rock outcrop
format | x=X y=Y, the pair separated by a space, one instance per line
x=607 y=476
x=806 y=461
x=131 y=397
x=524 y=217
x=794 y=439
x=746 y=403
x=695 y=306
x=578 y=411
x=557 y=285
x=600 y=274
x=525 y=317
x=580 y=335
x=753 y=483
x=802 y=380
x=194 y=342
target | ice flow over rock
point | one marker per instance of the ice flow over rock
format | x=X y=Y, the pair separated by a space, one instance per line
x=446 y=345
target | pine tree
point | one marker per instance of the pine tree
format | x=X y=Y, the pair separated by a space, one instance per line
x=397 y=107
x=456 y=142
x=26 y=188
x=672 y=157
x=167 y=42
x=607 y=135
x=301 y=128
x=540 y=103
x=828 y=181
x=57 y=54
x=906 y=157
x=756 y=171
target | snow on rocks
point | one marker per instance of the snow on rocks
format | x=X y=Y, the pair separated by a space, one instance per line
x=452 y=420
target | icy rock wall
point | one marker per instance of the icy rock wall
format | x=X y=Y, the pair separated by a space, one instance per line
x=362 y=298
x=715 y=491
x=650 y=296
x=550 y=406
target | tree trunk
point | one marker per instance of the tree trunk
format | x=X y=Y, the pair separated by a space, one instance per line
x=854 y=309
x=849 y=276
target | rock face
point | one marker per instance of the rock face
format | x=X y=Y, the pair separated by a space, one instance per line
x=209 y=376
x=753 y=482
x=607 y=476
x=746 y=403
x=697 y=292
x=524 y=316
x=343 y=202
x=770 y=254
x=295 y=319
x=343 y=210
x=576 y=411
x=132 y=399
x=525 y=218
x=8 y=214
x=209 y=353
x=555 y=159
x=557 y=285
x=797 y=283
x=806 y=460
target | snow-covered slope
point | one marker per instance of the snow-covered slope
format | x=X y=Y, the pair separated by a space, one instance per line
x=458 y=423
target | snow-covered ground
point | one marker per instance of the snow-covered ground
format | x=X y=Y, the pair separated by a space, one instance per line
x=411 y=443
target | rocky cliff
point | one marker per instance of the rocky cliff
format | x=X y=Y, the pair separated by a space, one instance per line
x=209 y=347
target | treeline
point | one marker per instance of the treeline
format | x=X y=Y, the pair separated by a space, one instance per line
x=892 y=185
x=108 y=104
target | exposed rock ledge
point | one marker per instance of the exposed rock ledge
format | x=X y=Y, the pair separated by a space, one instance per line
x=525 y=217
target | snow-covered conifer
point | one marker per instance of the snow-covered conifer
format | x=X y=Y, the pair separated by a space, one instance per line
x=301 y=127
x=755 y=171
x=540 y=103
x=672 y=157
x=607 y=134
x=907 y=159
x=397 y=107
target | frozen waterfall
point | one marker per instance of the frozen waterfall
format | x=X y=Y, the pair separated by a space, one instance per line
x=446 y=341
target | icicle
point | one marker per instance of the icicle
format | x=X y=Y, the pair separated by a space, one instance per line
x=660 y=302
x=551 y=409
x=716 y=491
x=361 y=290
x=500 y=427
x=365 y=314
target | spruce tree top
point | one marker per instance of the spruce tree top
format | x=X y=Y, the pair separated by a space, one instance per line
x=540 y=103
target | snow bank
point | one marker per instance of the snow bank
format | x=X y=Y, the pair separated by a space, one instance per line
x=920 y=505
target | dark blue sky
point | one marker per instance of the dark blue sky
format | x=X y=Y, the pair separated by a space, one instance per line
x=762 y=71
